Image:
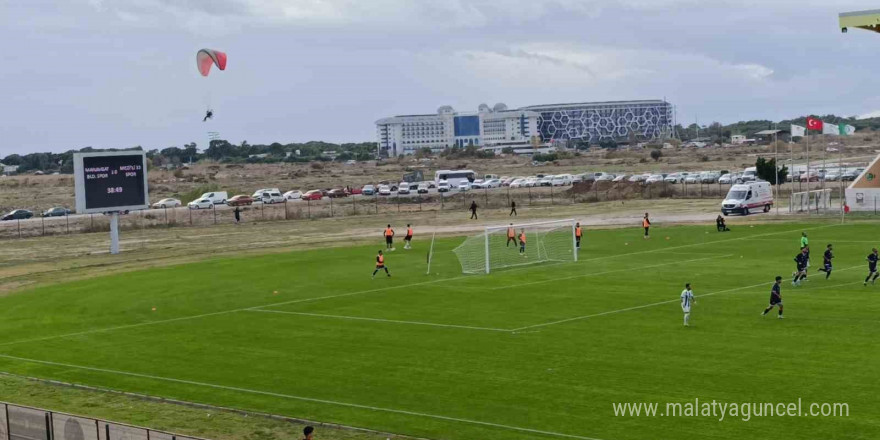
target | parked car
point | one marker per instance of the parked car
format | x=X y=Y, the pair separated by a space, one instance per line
x=403 y=188
x=431 y=184
x=384 y=190
x=532 y=182
x=691 y=179
x=240 y=200
x=637 y=178
x=293 y=195
x=167 y=203
x=337 y=193
x=655 y=178
x=851 y=175
x=269 y=198
x=809 y=177
x=478 y=183
x=749 y=175
x=674 y=178
x=204 y=203
x=368 y=190
x=710 y=177
x=561 y=180
x=443 y=186
x=217 y=197
x=258 y=193
x=620 y=178
x=315 y=194
x=18 y=214
x=57 y=211
x=729 y=178
x=464 y=186
x=423 y=188
x=832 y=176
x=491 y=183
x=518 y=183
x=546 y=181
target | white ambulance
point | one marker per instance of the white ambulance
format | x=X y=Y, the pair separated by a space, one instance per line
x=746 y=197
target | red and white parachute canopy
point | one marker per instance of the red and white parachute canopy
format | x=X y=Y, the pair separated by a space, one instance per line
x=205 y=58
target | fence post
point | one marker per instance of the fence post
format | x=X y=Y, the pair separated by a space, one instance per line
x=398 y=203
x=166 y=215
x=530 y=195
x=354 y=206
x=551 y=194
x=214 y=208
x=331 y=206
x=19 y=227
x=67 y=220
x=43 y=225
x=420 y=201
x=442 y=201
x=285 y=209
x=486 y=193
x=376 y=198
x=190 y=215
x=92 y=221
x=48 y=427
x=508 y=195
x=309 y=204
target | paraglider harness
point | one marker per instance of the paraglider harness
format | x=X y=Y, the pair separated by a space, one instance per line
x=208 y=115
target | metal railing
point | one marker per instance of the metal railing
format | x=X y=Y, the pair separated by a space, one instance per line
x=26 y=423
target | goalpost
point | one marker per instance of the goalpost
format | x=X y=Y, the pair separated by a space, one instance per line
x=811 y=201
x=491 y=249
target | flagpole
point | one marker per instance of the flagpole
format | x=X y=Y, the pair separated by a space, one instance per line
x=808 y=176
x=776 y=164
x=790 y=173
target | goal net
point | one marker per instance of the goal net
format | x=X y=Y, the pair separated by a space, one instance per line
x=492 y=250
x=811 y=201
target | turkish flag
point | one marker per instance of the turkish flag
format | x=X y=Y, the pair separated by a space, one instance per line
x=814 y=124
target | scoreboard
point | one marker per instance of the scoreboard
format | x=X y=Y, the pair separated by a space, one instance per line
x=110 y=181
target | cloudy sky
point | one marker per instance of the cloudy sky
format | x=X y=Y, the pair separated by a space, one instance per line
x=117 y=73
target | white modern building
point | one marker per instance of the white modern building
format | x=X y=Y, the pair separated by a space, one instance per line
x=406 y=134
x=496 y=126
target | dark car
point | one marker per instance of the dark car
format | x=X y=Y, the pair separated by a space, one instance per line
x=18 y=214
x=337 y=193
x=56 y=212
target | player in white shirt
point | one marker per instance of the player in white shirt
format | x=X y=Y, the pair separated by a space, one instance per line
x=687 y=299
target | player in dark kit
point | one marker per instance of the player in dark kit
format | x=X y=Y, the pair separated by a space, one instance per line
x=827 y=260
x=801 y=261
x=872 y=267
x=775 y=298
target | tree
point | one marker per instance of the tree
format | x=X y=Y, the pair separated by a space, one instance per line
x=767 y=170
x=423 y=152
x=656 y=155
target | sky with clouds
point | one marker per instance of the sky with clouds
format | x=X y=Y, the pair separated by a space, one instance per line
x=119 y=73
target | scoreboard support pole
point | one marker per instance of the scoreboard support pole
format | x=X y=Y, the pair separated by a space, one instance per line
x=114 y=233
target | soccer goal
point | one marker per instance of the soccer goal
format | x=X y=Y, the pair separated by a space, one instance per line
x=811 y=201
x=492 y=250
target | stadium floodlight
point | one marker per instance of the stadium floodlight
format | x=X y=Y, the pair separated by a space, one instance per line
x=492 y=250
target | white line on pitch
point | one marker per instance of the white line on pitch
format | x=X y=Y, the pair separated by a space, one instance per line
x=390 y=321
x=300 y=398
x=644 y=306
x=223 y=312
x=628 y=269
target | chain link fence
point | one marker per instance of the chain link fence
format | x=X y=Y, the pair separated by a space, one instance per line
x=496 y=198
x=25 y=423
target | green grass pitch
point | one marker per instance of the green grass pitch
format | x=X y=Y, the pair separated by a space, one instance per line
x=540 y=351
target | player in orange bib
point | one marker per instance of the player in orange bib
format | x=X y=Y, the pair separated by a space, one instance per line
x=407 y=239
x=380 y=264
x=646 y=223
x=522 y=242
x=511 y=235
x=389 y=238
x=578 y=233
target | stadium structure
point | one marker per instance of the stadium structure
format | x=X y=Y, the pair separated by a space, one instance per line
x=499 y=127
x=868 y=20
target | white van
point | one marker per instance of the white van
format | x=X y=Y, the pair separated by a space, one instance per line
x=749 y=175
x=217 y=197
x=269 y=197
x=745 y=197
x=259 y=193
x=561 y=180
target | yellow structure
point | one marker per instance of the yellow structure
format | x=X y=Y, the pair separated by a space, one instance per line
x=868 y=20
